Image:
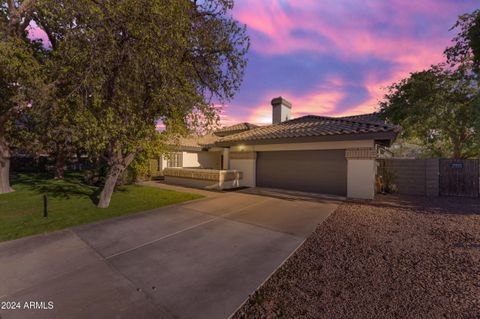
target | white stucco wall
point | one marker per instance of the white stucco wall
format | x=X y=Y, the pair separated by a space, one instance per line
x=201 y=159
x=281 y=113
x=248 y=169
x=190 y=159
x=361 y=178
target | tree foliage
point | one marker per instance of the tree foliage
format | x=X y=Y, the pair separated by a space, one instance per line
x=129 y=64
x=21 y=80
x=465 y=53
x=438 y=107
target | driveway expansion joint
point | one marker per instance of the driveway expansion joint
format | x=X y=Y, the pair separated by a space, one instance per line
x=185 y=229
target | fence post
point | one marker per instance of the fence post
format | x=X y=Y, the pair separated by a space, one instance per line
x=45 y=207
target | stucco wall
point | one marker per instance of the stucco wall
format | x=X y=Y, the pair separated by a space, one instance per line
x=361 y=178
x=247 y=167
x=281 y=113
x=190 y=159
x=201 y=159
x=246 y=163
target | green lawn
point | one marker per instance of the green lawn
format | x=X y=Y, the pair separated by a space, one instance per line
x=70 y=203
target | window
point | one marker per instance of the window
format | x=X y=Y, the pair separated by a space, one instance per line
x=175 y=160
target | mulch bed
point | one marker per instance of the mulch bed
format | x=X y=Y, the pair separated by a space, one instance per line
x=395 y=257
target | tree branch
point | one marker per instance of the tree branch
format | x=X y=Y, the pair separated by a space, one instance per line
x=11 y=6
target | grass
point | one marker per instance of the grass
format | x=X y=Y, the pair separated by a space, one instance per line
x=70 y=203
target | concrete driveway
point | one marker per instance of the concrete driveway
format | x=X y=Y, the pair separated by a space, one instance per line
x=199 y=259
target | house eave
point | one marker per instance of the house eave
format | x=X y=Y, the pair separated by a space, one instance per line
x=380 y=137
x=180 y=148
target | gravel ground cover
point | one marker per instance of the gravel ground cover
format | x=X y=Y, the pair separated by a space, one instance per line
x=395 y=257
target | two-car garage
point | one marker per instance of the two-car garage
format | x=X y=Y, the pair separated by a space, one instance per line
x=312 y=153
x=316 y=171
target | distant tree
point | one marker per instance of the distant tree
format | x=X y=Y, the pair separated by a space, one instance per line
x=134 y=62
x=21 y=79
x=440 y=108
x=409 y=148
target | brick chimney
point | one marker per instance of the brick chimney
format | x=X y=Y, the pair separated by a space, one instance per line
x=281 y=109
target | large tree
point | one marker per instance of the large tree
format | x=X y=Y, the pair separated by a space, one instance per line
x=134 y=62
x=440 y=108
x=465 y=52
x=21 y=80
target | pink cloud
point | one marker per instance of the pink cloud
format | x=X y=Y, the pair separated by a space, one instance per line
x=322 y=101
x=350 y=34
x=410 y=35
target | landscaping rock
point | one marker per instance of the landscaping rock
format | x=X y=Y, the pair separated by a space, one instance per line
x=396 y=257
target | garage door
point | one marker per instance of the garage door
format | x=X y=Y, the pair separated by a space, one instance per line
x=308 y=171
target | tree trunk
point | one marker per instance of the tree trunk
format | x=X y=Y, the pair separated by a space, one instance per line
x=60 y=165
x=108 y=188
x=457 y=151
x=115 y=171
x=4 y=167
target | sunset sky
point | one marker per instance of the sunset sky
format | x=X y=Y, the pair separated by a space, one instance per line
x=333 y=57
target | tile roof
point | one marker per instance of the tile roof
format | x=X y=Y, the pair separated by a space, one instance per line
x=236 y=128
x=315 y=126
x=373 y=118
x=195 y=142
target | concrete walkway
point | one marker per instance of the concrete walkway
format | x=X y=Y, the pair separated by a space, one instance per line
x=199 y=259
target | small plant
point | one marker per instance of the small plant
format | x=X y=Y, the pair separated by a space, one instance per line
x=389 y=186
x=385 y=180
x=259 y=298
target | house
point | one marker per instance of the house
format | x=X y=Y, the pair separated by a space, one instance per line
x=319 y=154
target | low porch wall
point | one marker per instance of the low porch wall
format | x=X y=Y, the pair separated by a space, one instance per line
x=203 y=178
